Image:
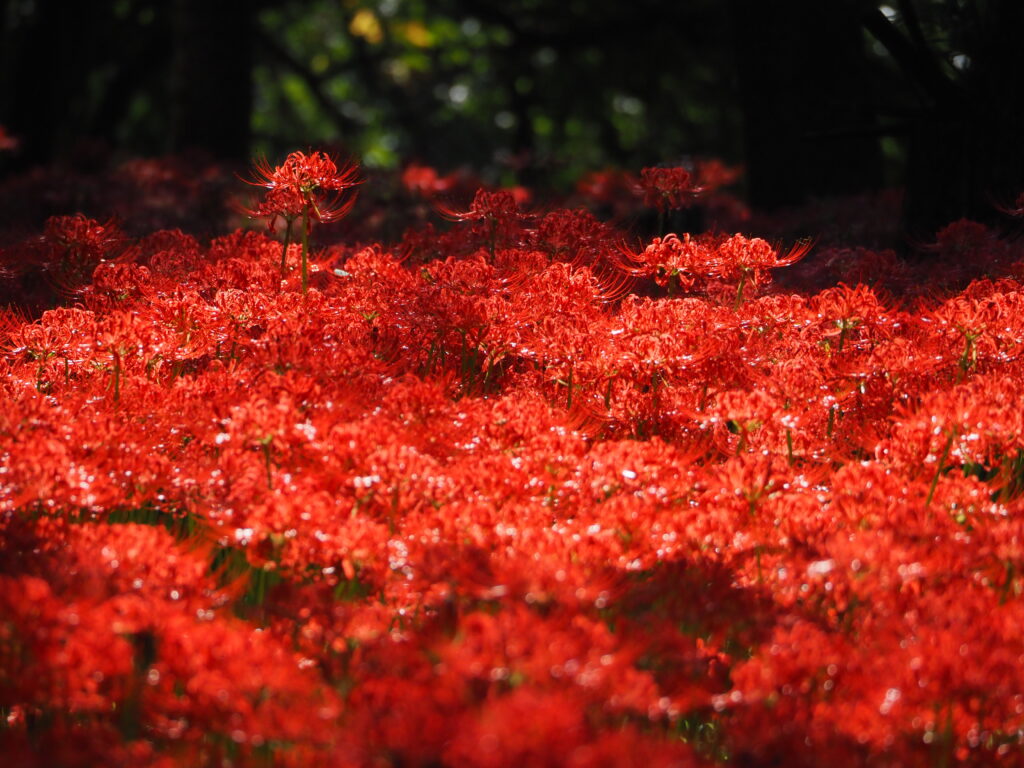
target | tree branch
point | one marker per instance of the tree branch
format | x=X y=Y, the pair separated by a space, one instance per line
x=913 y=24
x=917 y=64
x=345 y=124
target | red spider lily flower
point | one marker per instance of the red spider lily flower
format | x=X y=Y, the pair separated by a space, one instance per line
x=75 y=245
x=278 y=202
x=499 y=205
x=498 y=211
x=310 y=178
x=311 y=186
x=601 y=186
x=713 y=174
x=667 y=188
x=83 y=238
x=735 y=260
x=739 y=254
x=424 y=180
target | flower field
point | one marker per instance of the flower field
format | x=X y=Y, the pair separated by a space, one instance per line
x=526 y=489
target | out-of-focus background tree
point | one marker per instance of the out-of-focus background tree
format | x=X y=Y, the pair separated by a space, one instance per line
x=816 y=99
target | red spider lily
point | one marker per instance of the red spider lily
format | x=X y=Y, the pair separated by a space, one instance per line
x=667 y=189
x=83 y=237
x=311 y=177
x=612 y=189
x=427 y=181
x=713 y=174
x=311 y=186
x=498 y=211
x=77 y=245
x=736 y=261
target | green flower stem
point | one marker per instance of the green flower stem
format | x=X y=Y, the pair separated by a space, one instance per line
x=305 y=249
x=287 y=242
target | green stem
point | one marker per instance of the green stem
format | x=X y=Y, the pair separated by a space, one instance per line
x=938 y=469
x=965 y=358
x=739 y=290
x=305 y=249
x=117 y=377
x=287 y=242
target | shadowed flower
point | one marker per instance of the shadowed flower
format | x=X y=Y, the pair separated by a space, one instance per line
x=8 y=143
x=667 y=188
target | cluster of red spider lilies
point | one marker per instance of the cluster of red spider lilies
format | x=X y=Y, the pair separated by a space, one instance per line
x=513 y=493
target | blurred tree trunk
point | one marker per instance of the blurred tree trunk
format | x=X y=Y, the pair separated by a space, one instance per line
x=47 y=56
x=809 y=127
x=211 y=101
x=966 y=154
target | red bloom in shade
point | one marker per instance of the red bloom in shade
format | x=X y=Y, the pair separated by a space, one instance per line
x=497 y=212
x=426 y=180
x=82 y=238
x=8 y=143
x=713 y=174
x=499 y=205
x=667 y=188
x=75 y=245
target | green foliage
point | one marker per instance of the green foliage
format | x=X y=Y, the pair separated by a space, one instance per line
x=532 y=89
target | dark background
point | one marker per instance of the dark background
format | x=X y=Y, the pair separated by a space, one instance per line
x=815 y=98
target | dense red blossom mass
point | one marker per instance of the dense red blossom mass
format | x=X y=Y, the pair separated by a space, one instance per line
x=520 y=492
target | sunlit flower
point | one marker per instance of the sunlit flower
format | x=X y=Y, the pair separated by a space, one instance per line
x=307 y=186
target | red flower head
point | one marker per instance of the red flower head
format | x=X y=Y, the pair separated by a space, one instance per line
x=667 y=188
x=500 y=205
x=310 y=185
